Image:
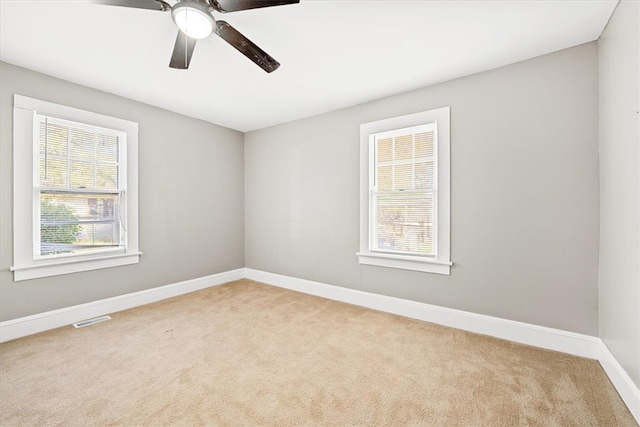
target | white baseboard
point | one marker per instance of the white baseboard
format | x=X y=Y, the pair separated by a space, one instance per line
x=539 y=336
x=16 y=328
x=525 y=333
x=626 y=388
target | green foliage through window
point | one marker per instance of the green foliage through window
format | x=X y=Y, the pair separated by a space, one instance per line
x=57 y=227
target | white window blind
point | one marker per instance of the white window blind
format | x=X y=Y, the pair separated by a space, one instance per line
x=79 y=187
x=404 y=191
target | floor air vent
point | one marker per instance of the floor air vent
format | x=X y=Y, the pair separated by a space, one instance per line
x=91 y=321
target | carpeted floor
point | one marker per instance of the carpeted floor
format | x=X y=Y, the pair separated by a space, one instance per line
x=248 y=354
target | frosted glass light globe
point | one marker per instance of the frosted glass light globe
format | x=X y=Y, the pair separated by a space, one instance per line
x=192 y=19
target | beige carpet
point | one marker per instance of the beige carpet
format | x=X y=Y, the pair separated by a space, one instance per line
x=249 y=354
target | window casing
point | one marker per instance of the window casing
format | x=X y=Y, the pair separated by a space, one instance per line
x=75 y=190
x=404 y=200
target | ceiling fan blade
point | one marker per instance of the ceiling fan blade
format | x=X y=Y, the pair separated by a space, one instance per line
x=246 y=46
x=236 y=5
x=139 y=4
x=182 y=51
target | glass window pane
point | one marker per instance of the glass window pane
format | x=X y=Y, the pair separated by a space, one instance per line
x=81 y=175
x=403 y=147
x=72 y=223
x=384 y=178
x=384 y=150
x=403 y=177
x=53 y=172
x=107 y=148
x=82 y=144
x=53 y=139
x=424 y=144
x=107 y=176
x=424 y=175
x=405 y=223
x=98 y=236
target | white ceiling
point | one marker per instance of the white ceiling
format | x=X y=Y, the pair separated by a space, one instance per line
x=333 y=53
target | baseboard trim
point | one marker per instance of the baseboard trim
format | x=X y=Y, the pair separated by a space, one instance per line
x=539 y=336
x=626 y=388
x=525 y=333
x=17 y=328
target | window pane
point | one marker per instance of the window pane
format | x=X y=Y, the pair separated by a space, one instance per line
x=53 y=155
x=82 y=145
x=384 y=178
x=107 y=176
x=98 y=236
x=403 y=147
x=405 y=223
x=425 y=176
x=73 y=157
x=81 y=174
x=53 y=139
x=403 y=177
x=72 y=223
x=424 y=144
x=384 y=150
x=53 y=172
x=107 y=148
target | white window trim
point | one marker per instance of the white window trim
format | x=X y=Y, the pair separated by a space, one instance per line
x=441 y=264
x=25 y=265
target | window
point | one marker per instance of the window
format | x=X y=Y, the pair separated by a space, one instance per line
x=404 y=200
x=75 y=190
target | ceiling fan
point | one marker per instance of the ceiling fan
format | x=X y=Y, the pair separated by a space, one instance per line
x=195 y=21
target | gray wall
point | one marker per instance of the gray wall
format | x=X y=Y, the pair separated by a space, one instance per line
x=524 y=150
x=190 y=196
x=619 y=285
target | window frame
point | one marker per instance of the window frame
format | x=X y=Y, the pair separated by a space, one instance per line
x=441 y=262
x=25 y=186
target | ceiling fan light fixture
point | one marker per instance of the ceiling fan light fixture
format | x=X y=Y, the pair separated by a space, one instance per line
x=193 y=19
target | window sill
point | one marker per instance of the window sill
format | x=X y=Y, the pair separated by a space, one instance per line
x=66 y=266
x=405 y=262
